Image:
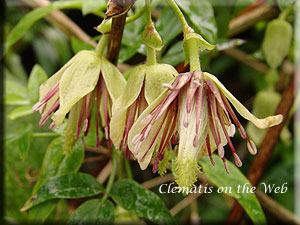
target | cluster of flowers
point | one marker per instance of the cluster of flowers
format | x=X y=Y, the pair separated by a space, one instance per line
x=155 y=110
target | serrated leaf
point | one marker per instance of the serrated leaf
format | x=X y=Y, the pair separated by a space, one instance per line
x=133 y=197
x=24 y=142
x=217 y=175
x=36 y=78
x=94 y=212
x=201 y=13
x=78 y=45
x=20 y=112
x=27 y=21
x=76 y=185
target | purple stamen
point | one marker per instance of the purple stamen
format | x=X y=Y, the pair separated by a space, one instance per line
x=80 y=118
x=98 y=97
x=48 y=96
x=130 y=119
x=44 y=119
x=87 y=102
x=105 y=109
x=209 y=150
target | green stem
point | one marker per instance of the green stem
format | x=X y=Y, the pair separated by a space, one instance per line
x=151 y=56
x=111 y=179
x=174 y=6
x=121 y=162
x=148 y=11
x=101 y=45
x=128 y=169
x=136 y=16
x=106 y=27
x=193 y=54
x=286 y=12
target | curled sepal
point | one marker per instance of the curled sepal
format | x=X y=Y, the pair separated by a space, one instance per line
x=77 y=80
x=201 y=43
x=151 y=38
x=242 y=110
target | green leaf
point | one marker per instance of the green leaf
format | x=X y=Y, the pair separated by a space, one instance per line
x=89 y=6
x=24 y=142
x=174 y=55
x=56 y=163
x=201 y=13
x=27 y=21
x=77 y=185
x=20 y=112
x=94 y=212
x=217 y=175
x=36 y=78
x=78 y=45
x=168 y=25
x=15 y=93
x=133 y=197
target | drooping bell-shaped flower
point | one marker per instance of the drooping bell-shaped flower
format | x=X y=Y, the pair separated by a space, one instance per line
x=144 y=85
x=197 y=106
x=86 y=82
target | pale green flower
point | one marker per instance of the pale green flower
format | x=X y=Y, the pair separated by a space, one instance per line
x=144 y=85
x=87 y=80
x=196 y=106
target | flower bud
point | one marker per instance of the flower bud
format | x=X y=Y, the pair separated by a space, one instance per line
x=151 y=38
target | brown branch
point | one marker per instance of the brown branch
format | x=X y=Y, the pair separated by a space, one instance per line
x=158 y=180
x=276 y=209
x=103 y=175
x=260 y=162
x=247 y=60
x=93 y=159
x=184 y=203
x=115 y=37
x=62 y=21
x=247 y=20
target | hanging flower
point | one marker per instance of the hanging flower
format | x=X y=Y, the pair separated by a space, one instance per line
x=144 y=85
x=196 y=106
x=82 y=83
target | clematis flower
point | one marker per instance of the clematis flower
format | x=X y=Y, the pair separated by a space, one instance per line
x=143 y=87
x=84 y=82
x=197 y=106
